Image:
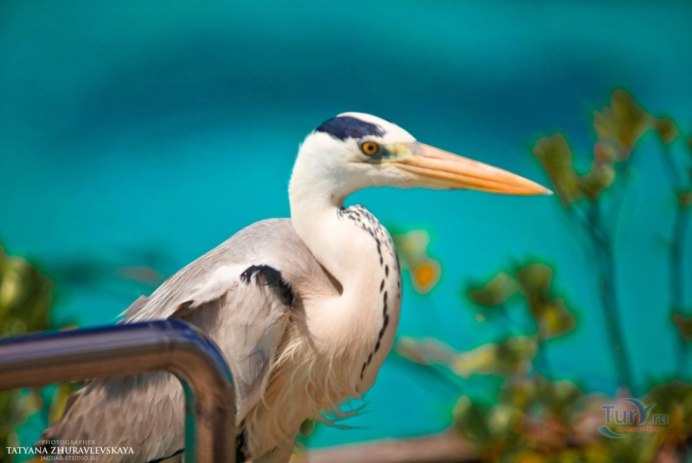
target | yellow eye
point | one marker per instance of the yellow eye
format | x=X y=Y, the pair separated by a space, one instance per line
x=369 y=148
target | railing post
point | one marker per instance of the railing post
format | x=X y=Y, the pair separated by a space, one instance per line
x=39 y=359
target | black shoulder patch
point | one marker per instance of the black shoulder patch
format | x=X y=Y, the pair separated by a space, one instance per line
x=343 y=127
x=271 y=277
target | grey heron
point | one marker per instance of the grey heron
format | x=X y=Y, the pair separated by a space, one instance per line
x=304 y=309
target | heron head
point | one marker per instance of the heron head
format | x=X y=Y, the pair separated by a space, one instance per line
x=355 y=150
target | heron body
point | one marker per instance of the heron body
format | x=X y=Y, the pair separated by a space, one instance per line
x=304 y=310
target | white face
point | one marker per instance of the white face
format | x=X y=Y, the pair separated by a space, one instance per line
x=356 y=150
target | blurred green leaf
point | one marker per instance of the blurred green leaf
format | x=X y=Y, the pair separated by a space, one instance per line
x=529 y=456
x=25 y=302
x=666 y=129
x=559 y=397
x=555 y=319
x=494 y=293
x=503 y=419
x=555 y=155
x=622 y=122
x=535 y=278
x=25 y=297
x=551 y=313
x=510 y=357
x=674 y=399
x=471 y=419
x=600 y=178
x=413 y=252
x=412 y=245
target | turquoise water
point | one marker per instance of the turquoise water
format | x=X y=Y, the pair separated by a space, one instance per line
x=146 y=133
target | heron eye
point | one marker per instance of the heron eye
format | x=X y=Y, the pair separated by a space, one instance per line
x=369 y=148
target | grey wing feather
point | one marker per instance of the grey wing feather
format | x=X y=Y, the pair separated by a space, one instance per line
x=250 y=337
x=247 y=319
x=270 y=242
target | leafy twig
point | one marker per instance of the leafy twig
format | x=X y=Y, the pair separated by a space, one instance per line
x=677 y=246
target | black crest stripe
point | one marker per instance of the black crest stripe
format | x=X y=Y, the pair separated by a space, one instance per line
x=343 y=127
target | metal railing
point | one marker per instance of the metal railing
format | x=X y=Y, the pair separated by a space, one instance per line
x=171 y=345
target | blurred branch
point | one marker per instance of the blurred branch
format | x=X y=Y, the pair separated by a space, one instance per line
x=447 y=447
x=537 y=421
x=682 y=189
x=535 y=418
x=677 y=244
x=619 y=127
x=607 y=278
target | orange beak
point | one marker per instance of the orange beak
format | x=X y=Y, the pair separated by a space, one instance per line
x=434 y=167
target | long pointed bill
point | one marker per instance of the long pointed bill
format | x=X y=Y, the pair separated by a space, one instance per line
x=436 y=167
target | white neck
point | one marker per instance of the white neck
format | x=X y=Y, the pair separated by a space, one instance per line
x=344 y=249
x=332 y=240
x=356 y=328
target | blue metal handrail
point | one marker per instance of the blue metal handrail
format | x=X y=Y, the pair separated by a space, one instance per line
x=39 y=359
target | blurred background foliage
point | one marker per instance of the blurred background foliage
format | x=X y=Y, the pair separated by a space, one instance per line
x=134 y=136
x=536 y=416
x=26 y=297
